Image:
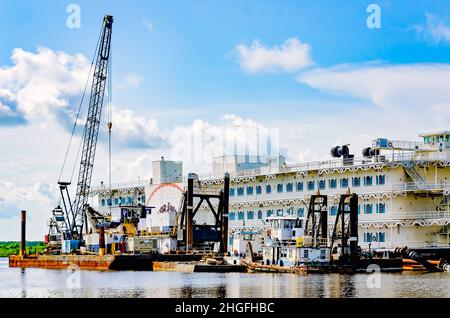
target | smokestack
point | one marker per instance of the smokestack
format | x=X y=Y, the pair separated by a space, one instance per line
x=23 y=241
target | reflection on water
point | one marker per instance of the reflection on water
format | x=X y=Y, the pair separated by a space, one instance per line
x=31 y=282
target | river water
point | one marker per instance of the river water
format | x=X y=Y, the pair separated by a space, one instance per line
x=33 y=282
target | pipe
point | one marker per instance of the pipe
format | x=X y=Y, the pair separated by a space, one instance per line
x=422 y=261
x=189 y=213
x=101 y=241
x=226 y=198
x=23 y=242
x=354 y=228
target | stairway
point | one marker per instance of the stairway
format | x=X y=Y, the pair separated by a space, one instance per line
x=415 y=175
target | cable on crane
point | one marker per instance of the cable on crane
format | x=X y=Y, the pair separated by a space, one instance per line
x=76 y=119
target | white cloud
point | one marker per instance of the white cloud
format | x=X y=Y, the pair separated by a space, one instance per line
x=413 y=87
x=148 y=25
x=133 y=80
x=133 y=130
x=200 y=141
x=40 y=84
x=291 y=56
x=434 y=29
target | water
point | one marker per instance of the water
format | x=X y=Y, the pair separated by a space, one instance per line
x=33 y=282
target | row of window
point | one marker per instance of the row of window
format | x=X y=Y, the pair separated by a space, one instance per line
x=250 y=215
x=121 y=201
x=310 y=185
x=300 y=212
x=366 y=208
x=374 y=237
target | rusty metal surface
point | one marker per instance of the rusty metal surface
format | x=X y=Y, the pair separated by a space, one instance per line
x=62 y=261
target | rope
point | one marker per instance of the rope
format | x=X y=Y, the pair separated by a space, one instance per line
x=109 y=125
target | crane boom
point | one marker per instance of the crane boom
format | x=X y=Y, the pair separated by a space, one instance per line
x=90 y=133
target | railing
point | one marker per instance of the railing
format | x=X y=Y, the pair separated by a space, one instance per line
x=362 y=190
x=403 y=216
x=330 y=164
x=409 y=244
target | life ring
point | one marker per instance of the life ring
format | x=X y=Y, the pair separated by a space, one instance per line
x=390 y=144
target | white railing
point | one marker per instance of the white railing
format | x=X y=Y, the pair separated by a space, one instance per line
x=409 y=244
x=330 y=164
x=402 y=216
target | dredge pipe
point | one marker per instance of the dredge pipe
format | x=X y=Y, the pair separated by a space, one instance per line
x=422 y=261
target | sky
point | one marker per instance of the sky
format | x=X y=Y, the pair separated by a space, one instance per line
x=195 y=79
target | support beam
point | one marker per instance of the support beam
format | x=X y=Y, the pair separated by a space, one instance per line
x=101 y=241
x=354 y=228
x=189 y=213
x=224 y=221
x=23 y=239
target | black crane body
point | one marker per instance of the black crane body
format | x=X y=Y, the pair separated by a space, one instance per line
x=75 y=212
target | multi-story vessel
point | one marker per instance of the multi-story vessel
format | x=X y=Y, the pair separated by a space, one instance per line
x=403 y=189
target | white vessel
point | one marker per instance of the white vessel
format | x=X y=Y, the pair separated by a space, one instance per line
x=403 y=189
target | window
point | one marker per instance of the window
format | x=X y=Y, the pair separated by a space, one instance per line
x=381 y=179
x=231 y=192
x=103 y=202
x=311 y=185
x=368 y=208
x=259 y=215
x=109 y=202
x=240 y=215
x=240 y=191
x=381 y=237
x=381 y=207
x=280 y=212
x=301 y=212
x=356 y=181
x=258 y=189
x=299 y=186
x=232 y=216
x=344 y=182
x=289 y=187
x=333 y=183
x=368 y=181
x=269 y=213
x=333 y=210
x=280 y=187
x=129 y=200
x=250 y=215
x=268 y=189
x=305 y=253
x=122 y=200
x=368 y=237
x=143 y=199
x=249 y=190
x=116 y=201
x=322 y=184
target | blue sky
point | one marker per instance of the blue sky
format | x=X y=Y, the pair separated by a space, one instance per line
x=188 y=59
x=311 y=70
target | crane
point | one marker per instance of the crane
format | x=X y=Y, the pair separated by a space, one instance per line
x=75 y=212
